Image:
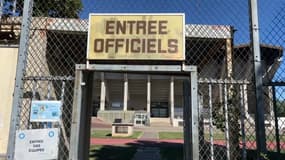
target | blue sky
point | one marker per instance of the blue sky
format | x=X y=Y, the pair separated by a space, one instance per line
x=221 y=12
x=196 y=11
x=215 y=12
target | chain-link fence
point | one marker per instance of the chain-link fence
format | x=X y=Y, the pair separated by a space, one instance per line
x=218 y=40
x=272 y=32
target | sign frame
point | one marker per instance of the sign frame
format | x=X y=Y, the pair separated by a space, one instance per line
x=181 y=58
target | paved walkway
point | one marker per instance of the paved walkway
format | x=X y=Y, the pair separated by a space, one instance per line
x=147 y=152
x=147 y=145
x=149 y=135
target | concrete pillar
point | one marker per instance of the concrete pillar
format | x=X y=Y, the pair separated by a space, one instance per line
x=171 y=98
x=148 y=96
x=125 y=92
x=103 y=93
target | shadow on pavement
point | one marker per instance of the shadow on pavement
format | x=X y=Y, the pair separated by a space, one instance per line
x=171 y=151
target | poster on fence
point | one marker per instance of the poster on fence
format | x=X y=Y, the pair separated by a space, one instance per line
x=45 y=111
x=37 y=144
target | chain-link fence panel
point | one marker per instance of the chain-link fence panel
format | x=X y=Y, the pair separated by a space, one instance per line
x=272 y=31
x=217 y=41
x=224 y=115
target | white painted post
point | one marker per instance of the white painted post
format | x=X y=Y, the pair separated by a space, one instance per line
x=172 y=99
x=148 y=94
x=125 y=92
x=103 y=93
x=245 y=101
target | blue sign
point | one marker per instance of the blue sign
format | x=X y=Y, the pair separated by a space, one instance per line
x=45 y=111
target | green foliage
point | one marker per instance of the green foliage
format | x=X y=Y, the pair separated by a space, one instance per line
x=233 y=110
x=219 y=116
x=233 y=105
x=48 y=8
x=280 y=105
x=264 y=156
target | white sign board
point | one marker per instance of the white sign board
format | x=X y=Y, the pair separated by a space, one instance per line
x=39 y=144
x=45 y=111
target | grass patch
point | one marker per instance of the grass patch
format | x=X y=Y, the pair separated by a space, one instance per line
x=170 y=135
x=108 y=134
x=99 y=152
x=217 y=136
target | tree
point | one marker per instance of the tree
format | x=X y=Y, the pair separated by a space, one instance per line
x=234 y=112
x=47 y=8
x=280 y=105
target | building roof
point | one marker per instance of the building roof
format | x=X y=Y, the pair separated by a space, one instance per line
x=81 y=25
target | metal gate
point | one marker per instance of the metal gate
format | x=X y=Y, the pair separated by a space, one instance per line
x=80 y=131
x=225 y=46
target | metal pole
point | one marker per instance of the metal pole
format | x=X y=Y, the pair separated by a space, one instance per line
x=186 y=117
x=62 y=93
x=103 y=92
x=81 y=116
x=226 y=121
x=194 y=115
x=48 y=124
x=34 y=89
x=126 y=92
x=1 y=9
x=48 y=90
x=148 y=101
x=276 y=122
x=79 y=86
x=86 y=121
x=211 y=122
x=171 y=99
x=242 y=117
x=14 y=7
x=62 y=127
x=259 y=115
x=20 y=70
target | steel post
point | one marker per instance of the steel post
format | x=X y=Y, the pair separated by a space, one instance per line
x=242 y=119
x=81 y=116
x=187 y=120
x=277 y=136
x=259 y=115
x=226 y=121
x=20 y=71
x=76 y=112
x=211 y=122
x=194 y=115
x=1 y=9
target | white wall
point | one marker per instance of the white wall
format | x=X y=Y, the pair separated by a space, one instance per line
x=8 y=63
